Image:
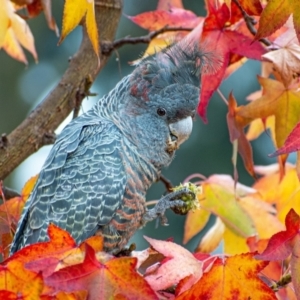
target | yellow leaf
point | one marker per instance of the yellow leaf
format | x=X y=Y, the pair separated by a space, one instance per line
x=223 y=203
x=234 y=244
x=5 y=14
x=285 y=193
x=194 y=223
x=257 y=127
x=212 y=238
x=262 y=213
x=74 y=11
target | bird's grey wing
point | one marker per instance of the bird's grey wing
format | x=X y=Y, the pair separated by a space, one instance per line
x=80 y=186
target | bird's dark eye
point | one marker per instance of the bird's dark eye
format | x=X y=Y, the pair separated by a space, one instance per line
x=161 y=111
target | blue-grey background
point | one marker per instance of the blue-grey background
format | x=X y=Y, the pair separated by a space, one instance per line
x=208 y=151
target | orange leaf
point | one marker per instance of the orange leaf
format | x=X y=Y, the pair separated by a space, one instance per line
x=16 y=279
x=232 y=278
x=14 y=206
x=116 y=278
x=10 y=212
x=252 y=7
x=60 y=241
x=276 y=100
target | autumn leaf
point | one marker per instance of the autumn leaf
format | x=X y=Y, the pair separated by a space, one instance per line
x=259 y=126
x=19 y=281
x=284 y=193
x=178 y=264
x=10 y=212
x=167 y=4
x=195 y=221
x=116 y=278
x=230 y=278
x=275 y=14
x=292 y=143
x=236 y=126
x=261 y=213
x=74 y=12
x=165 y=16
x=14 y=33
x=252 y=7
x=212 y=237
x=281 y=244
x=14 y=206
x=60 y=241
x=286 y=59
x=225 y=42
x=34 y=8
x=221 y=198
x=173 y=17
x=223 y=203
x=276 y=100
x=285 y=243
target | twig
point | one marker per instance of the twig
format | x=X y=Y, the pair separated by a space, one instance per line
x=3 y=141
x=8 y=193
x=80 y=95
x=281 y=283
x=167 y=183
x=222 y=96
x=250 y=22
x=107 y=48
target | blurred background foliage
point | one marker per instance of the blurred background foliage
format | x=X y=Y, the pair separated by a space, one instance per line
x=208 y=151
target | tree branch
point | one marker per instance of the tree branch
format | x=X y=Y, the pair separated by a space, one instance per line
x=250 y=22
x=35 y=130
x=107 y=48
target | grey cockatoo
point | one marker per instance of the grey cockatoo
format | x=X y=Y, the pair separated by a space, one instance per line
x=96 y=176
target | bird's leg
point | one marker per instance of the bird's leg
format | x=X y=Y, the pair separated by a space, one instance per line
x=171 y=200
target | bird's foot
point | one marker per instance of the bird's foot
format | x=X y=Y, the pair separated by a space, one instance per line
x=171 y=200
x=125 y=251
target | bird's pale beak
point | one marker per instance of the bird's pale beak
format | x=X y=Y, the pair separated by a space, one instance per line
x=179 y=133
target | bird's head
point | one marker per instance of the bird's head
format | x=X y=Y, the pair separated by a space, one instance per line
x=163 y=96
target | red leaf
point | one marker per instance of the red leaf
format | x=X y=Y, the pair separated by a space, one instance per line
x=224 y=42
x=291 y=144
x=174 y=17
x=281 y=245
x=115 y=279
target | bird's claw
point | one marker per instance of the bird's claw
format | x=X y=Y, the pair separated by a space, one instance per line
x=171 y=200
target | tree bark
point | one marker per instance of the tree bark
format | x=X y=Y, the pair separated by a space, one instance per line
x=37 y=129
